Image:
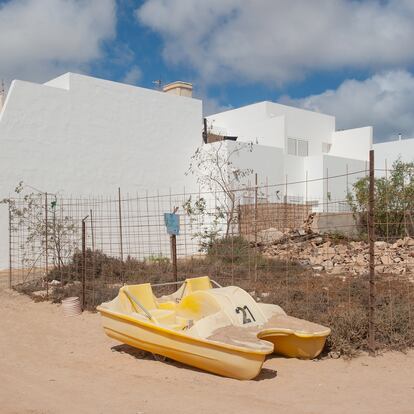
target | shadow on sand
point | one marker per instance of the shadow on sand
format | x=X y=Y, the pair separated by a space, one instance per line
x=264 y=374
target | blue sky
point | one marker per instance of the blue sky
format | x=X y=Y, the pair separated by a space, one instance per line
x=350 y=58
x=146 y=45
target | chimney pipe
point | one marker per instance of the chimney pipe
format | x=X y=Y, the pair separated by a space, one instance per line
x=179 y=88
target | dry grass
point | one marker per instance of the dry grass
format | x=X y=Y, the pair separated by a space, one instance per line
x=340 y=301
x=342 y=304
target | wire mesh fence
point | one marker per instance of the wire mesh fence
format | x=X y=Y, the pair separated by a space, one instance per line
x=309 y=254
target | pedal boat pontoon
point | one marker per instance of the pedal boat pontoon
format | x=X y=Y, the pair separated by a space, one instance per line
x=221 y=330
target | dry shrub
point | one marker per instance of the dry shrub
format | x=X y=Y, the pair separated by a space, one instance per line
x=339 y=302
x=342 y=304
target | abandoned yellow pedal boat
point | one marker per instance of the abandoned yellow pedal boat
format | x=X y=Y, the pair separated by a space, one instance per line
x=220 y=330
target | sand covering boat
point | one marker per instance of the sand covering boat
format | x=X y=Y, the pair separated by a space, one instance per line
x=221 y=330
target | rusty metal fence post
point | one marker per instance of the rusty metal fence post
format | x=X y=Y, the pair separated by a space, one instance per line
x=46 y=249
x=173 y=238
x=10 y=248
x=120 y=225
x=371 y=233
x=327 y=195
x=120 y=236
x=255 y=226
x=83 y=261
x=93 y=257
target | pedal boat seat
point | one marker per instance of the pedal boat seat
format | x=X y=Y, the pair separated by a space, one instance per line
x=144 y=294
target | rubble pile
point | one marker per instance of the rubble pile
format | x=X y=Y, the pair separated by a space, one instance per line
x=324 y=253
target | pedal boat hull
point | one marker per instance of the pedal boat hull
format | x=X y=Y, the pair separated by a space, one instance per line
x=219 y=358
x=295 y=345
x=292 y=337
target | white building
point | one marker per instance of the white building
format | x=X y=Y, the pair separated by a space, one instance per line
x=293 y=145
x=79 y=135
x=386 y=153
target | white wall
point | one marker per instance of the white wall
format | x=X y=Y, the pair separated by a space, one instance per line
x=336 y=168
x=387 y=153
x=80 y=135
x=342 y=173
x=250 y=123
x=269 y=132
x=302 y=124
x=270 y=124
x=228 y=122
x=313 y=167
x=352 y=143
x=349 y=149
x=267 y=162
x=274 y=168
x=295 y=176
x=62 y=81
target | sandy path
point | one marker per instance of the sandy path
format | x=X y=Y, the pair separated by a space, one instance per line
x=49 y=364
x=4 y=279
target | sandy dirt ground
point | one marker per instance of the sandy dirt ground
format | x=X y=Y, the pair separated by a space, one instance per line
x=4 y=279
x=52 y=365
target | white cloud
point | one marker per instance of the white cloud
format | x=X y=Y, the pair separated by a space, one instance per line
x=213 y=106
x=43 y=38
x=385 y=101
x=279 y=41
x=133 y=75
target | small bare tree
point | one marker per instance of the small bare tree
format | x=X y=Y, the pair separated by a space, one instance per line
x=28 y=213
x=213 y=166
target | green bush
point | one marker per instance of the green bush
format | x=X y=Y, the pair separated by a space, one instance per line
x=230 y=249
x=394 y=200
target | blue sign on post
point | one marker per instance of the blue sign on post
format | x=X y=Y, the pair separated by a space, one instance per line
x=172 y=222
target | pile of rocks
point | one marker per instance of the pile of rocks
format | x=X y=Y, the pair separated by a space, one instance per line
x=322 y=253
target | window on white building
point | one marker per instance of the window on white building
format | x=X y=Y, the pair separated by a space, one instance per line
x=292 y=146
x=299 y=147
x=326 y=147
x=303 y=148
